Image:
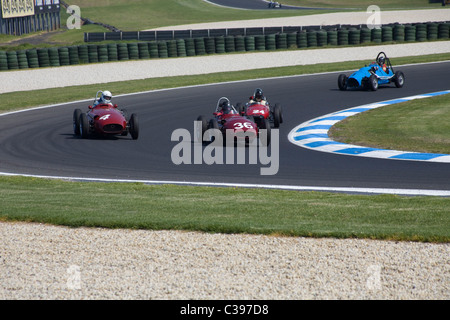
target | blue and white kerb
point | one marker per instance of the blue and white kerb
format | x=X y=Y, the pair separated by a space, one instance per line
x=313 y=135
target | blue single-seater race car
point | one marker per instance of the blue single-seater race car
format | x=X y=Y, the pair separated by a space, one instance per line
x=372 y=76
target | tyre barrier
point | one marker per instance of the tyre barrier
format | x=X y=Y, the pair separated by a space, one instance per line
x=93 y=53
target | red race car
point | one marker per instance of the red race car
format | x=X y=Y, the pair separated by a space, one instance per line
x=104 y=119
x=242 y=127
x=260 y=109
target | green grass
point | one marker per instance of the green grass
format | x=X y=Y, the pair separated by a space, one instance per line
x=418 y=125
x=149 y=14
x=225 y=210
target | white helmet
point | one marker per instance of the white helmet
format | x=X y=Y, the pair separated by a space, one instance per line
x=106 y=96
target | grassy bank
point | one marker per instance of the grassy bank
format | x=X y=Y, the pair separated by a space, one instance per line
x=310 y=214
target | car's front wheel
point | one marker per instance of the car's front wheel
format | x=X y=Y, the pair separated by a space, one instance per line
x=84 y=126
x=134 y=126
x=76 y=122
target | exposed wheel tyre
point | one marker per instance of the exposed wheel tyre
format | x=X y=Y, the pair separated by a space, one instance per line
x=134 y=126
x=277 y=117
x=84 y=126
x=342 y=82
x=399 y=79
x=213 y=125
x=373 y=83
x=76 y=122
x=265 y=138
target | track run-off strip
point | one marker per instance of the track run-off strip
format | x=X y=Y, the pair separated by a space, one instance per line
x=313 y=134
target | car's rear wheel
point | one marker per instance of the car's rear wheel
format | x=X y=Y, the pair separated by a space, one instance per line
x=213 y=125
x=342 y=82
x=76 y=122
x=277 y=117
x=399 y=79
x=265 y=138
x=134 y=126
x=373 y=83
x=84 y=126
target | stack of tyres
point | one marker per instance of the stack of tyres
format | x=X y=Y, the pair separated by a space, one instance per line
x=3 y=61
x=122 y=52
x=229 y=44
x=103 y=53
x=43 y=58
x=311 y=36
x=153 y=49
x=93 y=53
x=322 y=38
x=64 y=58
x=399 y=33
x=190 y=47
x=172 y=51
x=354 y=36
x=13 y=63
x=432 y=31
x=181 y=48
x=220 y=44
x=366 y=35
x=410 y=33
x=386 y=34
x=292 y=40
x=83 y=54
x=250 y=43
x=332 y=37
x=444 y=30
x=22 y=59
x=271 y=42
x=32 y=57
x=376 y=35
x=200 y=49
x=260 y=43
x=421 y=32
x=343 y=37
x=133 y=51
x=113 y=54
x=143 y=50
x=210 y=45
x=162 y=49
x=53 y=56
x=73 y=55
x=281 y=41
x=239 y=43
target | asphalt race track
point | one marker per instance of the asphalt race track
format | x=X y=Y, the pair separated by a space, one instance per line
x=41 y=142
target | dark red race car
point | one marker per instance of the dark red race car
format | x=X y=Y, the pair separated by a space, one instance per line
x=261 y=111
x=243 y=128
x=104 y=119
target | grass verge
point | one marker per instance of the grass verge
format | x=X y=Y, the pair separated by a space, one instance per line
x=418 y=126
x=225 y=210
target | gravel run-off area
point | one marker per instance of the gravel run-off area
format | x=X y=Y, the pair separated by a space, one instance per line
x=40 y=261
x=48 y=262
